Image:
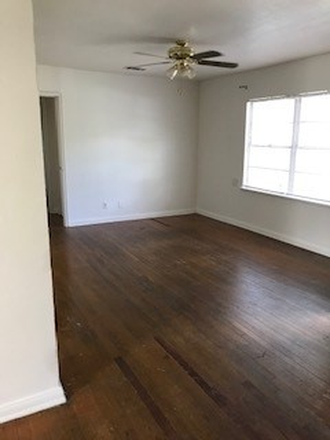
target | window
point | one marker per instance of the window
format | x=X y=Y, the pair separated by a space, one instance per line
x=287 y=148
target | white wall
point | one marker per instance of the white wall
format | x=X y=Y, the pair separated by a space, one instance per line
x=129 y=142
x=29 y=378
x=221 y=148
x=48 y=109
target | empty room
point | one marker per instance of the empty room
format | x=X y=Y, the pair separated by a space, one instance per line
x=165 y=221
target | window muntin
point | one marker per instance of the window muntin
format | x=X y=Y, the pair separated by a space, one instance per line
x=288 y=146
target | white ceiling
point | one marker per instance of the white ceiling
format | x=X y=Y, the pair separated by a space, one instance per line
x=104 y=34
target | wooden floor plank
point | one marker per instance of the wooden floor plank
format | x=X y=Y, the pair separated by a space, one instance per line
x=189 y=329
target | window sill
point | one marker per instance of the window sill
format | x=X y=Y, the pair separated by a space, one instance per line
x=285 y=196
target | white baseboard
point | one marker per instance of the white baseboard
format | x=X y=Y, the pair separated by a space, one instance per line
x=32 y=404
x=268 y=233
x=128 y=217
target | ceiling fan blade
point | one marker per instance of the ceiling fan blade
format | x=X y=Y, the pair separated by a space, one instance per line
x=149 y=55
x=154 y=64
x=135 y=68
x=218 y=64
x=141 y=66
x=207 y=54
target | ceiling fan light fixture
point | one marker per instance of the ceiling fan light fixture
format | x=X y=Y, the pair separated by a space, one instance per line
x=187 y=71
x=172 y=72
x=181 y=69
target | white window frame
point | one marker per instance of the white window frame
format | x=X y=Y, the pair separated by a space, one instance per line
x=293 y=148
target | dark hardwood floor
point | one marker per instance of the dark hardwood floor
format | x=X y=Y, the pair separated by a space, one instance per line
x=186 y=328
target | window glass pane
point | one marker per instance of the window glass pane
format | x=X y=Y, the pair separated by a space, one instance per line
x=272 y=122
x=270 y=180
x=271 y=154
x=270 y=157
x=313 y=161
x=314 y=134
x=312 y=186
x=315 y=108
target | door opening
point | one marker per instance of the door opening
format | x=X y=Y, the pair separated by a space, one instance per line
x=49 y=107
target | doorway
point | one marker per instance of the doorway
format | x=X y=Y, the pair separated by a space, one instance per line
x=49 y=110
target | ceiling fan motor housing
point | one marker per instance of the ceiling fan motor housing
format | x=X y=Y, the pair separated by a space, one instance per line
x=181 y=51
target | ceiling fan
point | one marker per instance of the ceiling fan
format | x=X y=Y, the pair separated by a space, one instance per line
x=183 y=59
